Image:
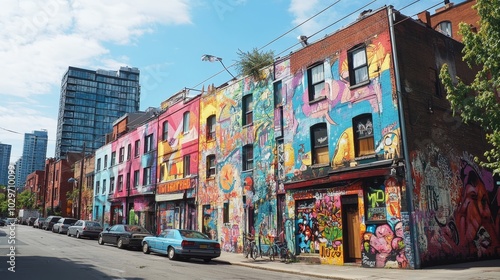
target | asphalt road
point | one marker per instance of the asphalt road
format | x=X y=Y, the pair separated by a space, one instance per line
x=43 y=255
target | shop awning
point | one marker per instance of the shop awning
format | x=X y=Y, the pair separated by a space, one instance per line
x=340 y=177
x=169 y=196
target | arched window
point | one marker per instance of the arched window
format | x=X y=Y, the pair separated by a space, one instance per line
x=445 y=28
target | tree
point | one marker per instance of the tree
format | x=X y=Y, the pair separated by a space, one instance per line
x=252 y=62
x=478 y=101
x=25 y=200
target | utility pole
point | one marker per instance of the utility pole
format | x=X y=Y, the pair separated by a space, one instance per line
x=80 y=183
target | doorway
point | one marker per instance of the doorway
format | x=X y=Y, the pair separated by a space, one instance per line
x=351 y=229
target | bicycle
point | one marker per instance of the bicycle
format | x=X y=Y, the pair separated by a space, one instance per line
x=249 y=244
x=262 y=250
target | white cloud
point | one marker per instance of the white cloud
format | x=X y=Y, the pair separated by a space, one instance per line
x=40 y=39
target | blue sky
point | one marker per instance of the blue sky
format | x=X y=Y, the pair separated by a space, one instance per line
x=164 y=39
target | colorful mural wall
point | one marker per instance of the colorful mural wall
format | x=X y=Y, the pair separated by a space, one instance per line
x=337 y=109
x=133 y=203
x=457 y=207
x=249 y=195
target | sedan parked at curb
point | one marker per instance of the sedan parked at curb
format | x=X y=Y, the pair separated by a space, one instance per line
x=85 y=228
x=123 y=236
x=182 y=244
x=49 y=222
x=63 y=224
x=38 y=223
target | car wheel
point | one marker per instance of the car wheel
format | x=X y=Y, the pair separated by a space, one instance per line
x=207 y=260
x=68 y=234
x=100 y=241
x=171 y=253
x=78 y=235
x=120 y=244
x=145 y=248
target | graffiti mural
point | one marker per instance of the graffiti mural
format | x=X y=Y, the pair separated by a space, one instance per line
x=458 y=207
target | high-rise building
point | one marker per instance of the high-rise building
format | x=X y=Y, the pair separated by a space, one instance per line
x=4 y=163
x=90 y=102
x=34 y=154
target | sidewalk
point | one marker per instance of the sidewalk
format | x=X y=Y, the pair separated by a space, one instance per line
x=472 y=270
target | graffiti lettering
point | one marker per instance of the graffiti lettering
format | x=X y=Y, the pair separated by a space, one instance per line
x=376 y=197
x=330 y=252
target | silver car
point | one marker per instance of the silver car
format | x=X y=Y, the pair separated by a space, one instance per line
x=85 y=228
x=63 y=224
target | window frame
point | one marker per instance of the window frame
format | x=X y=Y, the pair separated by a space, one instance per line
x=247 y=110
x=136 y=179
x=121 y=155
x=211 y=166
x=319 y=147
x=357 y=124
x=120 y=183
x=185 y=122
x=164 y=134
x=312 y=86
x=148 y=143
x=146 y=176
x=186 y=165
x=353 y=69
x=129 y=151
x=211 y=121
x=247 y=157
x=113 y=159
x=137 y=148
x=111 y=185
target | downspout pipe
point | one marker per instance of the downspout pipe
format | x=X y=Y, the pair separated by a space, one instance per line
x=408 y=175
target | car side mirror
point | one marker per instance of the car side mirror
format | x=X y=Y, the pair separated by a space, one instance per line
x=107 y=229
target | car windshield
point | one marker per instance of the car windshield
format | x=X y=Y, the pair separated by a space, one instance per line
x=92 y=224
x=192 y=234
x=69 y=221
x=138 y=229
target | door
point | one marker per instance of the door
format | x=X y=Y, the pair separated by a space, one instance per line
x=351 y=228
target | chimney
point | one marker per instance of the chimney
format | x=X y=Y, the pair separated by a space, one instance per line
x=425 y=17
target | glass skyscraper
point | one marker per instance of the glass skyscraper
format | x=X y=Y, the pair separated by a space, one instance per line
x=34 y=155
x=4 y=163
x=90 y=102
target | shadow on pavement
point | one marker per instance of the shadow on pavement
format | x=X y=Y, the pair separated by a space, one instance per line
x=41 y=268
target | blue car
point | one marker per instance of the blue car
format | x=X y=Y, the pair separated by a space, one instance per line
x=182 y=244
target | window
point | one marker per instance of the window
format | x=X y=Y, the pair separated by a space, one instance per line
x=211 y=127
x=185 y=122
x=164 y=136
x=162 y=171
x=136 y=179
x=226 y=213
x=129 y=151
x=210 y=166
x=358 y=66
x=111 y=184
x=105 y=161
x=146 y=176
x=98 y=164
x=120 y=183
x=316 y=81
x=122 y=154
x=97 y=187
x=445 y=28
x=127 y=181
x=104 y=186
x=247 y=163
x=113 y=159
x=137 y=146
x=247 y=109
x=319 y=144
x=364 y=143
x=187 y=165
x=148 y=143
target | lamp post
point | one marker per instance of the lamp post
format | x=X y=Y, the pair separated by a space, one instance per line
x=212 y=58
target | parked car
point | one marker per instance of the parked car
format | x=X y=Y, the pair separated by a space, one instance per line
x=123 y=236
x=63 y=224
x=2 y=222
x=50 y=221
x=181 y=243
x=38 y=223
x=85 y=228
x=30 y=221
x=11 y=221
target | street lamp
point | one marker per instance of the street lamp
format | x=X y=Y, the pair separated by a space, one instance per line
x=211 y=58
